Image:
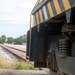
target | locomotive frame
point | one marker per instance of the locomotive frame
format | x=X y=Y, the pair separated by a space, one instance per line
x=51 y=38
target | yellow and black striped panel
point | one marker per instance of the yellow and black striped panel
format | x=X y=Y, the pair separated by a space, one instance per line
x=52 y=8
x=56 y=7
x=66 y=4
x=38 y=1
x=41 y=16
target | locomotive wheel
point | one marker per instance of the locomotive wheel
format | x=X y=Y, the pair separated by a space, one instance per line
x=51 y=63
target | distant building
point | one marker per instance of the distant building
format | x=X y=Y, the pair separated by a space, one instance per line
x=6 y=41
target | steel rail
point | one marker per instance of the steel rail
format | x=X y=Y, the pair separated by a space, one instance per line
x=16 y=49
x=18 y=53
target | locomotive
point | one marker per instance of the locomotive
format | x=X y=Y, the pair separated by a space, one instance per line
x=51 y=38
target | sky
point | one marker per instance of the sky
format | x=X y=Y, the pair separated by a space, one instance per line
x=15 y=17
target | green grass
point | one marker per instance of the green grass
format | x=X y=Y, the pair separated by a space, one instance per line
x=4 y=64
x=24 y=66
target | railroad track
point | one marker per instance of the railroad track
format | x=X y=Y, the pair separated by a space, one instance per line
x=16 y=48
x=17 y=52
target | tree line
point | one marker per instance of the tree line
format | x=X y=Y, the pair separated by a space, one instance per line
x=11 y=40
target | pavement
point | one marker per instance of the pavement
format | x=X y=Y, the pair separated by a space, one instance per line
x=23 y=72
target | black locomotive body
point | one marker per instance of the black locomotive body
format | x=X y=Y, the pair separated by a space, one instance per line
x=51 y=38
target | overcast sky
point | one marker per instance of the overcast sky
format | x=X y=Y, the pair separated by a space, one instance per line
x=15 y=16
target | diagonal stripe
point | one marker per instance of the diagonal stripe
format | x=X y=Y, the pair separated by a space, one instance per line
x=53 y=8
x=34 y=20
x=57 y=7
x=50 y=9
x=41 y=17
x=44 y=12
x=66 y=4
x=47 y=11
x=37 y=18
x=61 y=5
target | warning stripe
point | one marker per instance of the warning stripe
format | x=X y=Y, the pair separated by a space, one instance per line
x=57 y=7
x=54 y=7
x=50 y=9
x=41 y=17
x=37 y=18
x=66 y=4
x=34 y=20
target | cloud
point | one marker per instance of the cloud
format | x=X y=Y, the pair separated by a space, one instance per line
x=15 y=16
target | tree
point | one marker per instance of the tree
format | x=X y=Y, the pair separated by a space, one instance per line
x=10 y=40
x=3 y=38
x=20 y=40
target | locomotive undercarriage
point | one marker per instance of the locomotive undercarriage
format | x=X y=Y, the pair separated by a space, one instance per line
x=61 y=55
x=54 y=43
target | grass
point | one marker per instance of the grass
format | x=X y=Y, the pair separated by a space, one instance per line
x=4 y=64
x=24 y=66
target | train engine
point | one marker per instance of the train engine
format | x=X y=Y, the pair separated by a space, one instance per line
x=51 y=38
